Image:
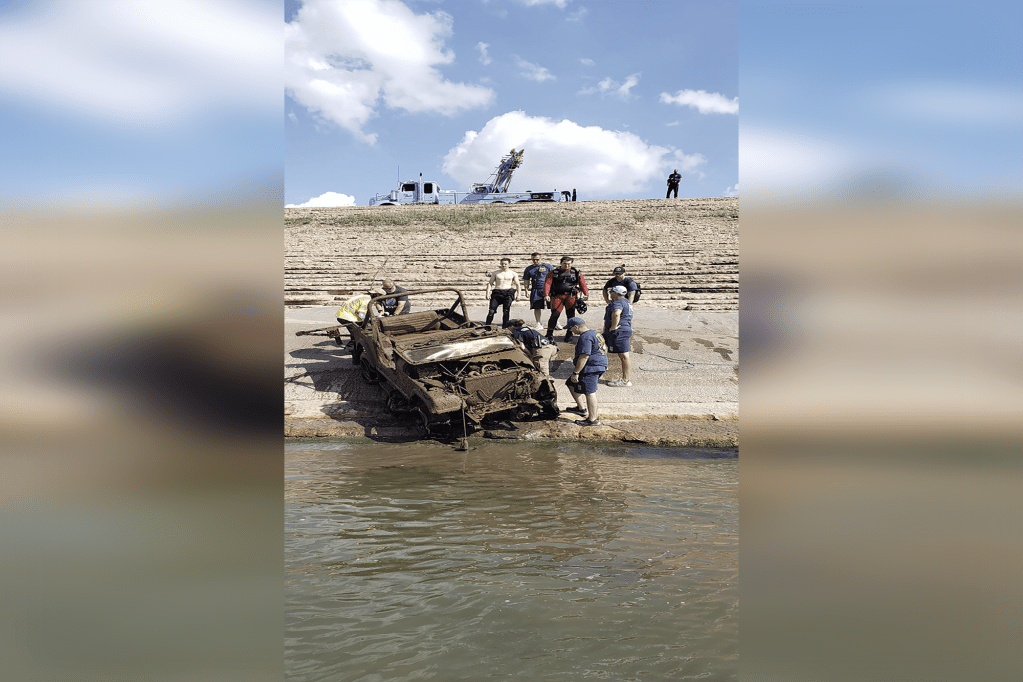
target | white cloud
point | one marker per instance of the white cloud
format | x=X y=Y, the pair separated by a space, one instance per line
x=609 y=86
x=344 y=56
x=586 y=61
x=577 y=15
x=325 y=200
x=562 y=155
x=151 y=62
x=703 y=101
x=291 y=115
x=559 y=3
x=630 y=82
x=484 y=57
x=673 y=123
x=533 y=71
x=732 y=191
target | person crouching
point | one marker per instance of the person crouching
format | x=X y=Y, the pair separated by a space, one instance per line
x=589 y=364
x=534 y=344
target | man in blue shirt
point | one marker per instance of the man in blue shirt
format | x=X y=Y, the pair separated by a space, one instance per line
x=589 y=363
x=533 y=278
x=618 y=331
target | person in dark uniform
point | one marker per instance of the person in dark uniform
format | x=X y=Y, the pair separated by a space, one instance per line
x=391 y=305
x=534 y=344
x=673 y=181
x=618 y=278
x=618 y=331
x=589 y=363
x=533 y=278
x=561 y=291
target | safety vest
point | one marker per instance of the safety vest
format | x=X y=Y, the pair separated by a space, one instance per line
x=354 y=309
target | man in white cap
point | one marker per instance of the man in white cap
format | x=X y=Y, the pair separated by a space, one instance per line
x=618 y=331
x=589 y=363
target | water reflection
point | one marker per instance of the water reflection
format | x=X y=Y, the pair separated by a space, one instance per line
x=539 y=558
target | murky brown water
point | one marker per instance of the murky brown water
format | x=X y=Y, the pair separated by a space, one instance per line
x=511 y=561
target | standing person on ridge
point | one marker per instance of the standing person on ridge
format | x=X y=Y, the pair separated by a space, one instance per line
x=673 y=181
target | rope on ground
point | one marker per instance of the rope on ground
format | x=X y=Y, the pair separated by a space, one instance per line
x=689 y=364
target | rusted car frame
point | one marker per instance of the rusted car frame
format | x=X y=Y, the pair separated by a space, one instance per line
x=446 y=370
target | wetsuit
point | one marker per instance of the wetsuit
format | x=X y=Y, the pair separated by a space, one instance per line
x=562 y=286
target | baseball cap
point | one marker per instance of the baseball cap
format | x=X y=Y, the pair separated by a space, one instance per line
x=620 y=290
x=573 y=321
x=620 y=269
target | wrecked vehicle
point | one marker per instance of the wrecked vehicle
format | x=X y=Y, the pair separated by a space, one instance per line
x=449 y=372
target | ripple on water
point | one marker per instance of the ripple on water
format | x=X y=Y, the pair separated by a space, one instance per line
x=557 y=562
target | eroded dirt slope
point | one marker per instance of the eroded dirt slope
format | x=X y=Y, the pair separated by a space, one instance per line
x=684 y=252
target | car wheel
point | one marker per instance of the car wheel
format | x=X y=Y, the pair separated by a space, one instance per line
x=398 y=404
x=550 y=408
x=423 y=420
x=368 y=372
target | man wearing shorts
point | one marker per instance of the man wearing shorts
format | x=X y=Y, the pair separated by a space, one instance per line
x=561 y=291
x=618 y=331
x=533 y=278
x=589 y=363
x=502 y=287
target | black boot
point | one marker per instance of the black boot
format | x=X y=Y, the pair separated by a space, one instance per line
x=568 y=336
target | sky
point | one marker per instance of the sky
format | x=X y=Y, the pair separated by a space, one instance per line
x=605 y=97
x=118 y=102
x=122 y=102
x=912 y=98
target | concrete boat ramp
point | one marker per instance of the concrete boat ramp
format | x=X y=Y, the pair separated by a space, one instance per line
x=685 y=376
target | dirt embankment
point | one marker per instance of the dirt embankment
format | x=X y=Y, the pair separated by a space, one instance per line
x=684 y=252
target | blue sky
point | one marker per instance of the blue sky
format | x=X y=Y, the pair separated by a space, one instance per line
x=927 y=94
x=444 y=88
x=121 y=102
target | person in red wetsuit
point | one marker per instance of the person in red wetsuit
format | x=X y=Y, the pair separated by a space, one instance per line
x=562 y=290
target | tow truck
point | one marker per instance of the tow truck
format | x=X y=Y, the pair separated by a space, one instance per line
x=493 y=191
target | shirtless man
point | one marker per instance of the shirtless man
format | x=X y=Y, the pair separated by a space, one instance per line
x=502 y=288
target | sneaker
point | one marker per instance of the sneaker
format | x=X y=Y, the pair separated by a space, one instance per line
x=539 y=327
x=618 y=383
x=550 y=338
x=587 y=422
x=576 y=410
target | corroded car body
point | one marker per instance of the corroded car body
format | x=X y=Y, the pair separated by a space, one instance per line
x=441 y=367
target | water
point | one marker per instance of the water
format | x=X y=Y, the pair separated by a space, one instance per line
x=511 y=561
